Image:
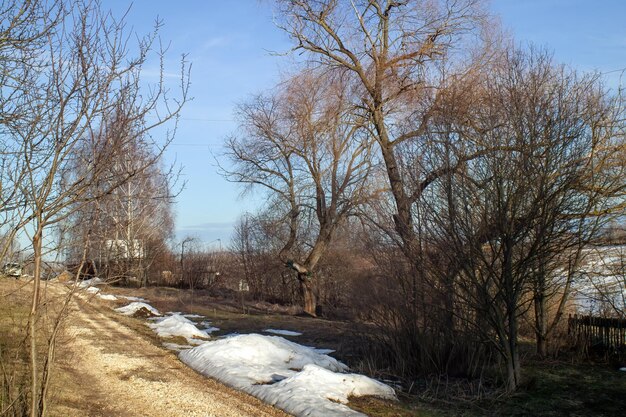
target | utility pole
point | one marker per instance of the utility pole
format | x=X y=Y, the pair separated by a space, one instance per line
x=182 y=258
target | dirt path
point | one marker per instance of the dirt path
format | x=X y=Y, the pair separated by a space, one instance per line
x=108 y=368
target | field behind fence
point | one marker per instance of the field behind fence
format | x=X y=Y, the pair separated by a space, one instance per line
x=599 y=335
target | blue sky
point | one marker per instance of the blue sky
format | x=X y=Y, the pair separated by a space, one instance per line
x=230 y=42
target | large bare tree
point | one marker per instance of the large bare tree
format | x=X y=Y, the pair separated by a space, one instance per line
x=396 y=52
x=306 y=146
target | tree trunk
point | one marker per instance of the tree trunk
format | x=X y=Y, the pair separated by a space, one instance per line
x=542 y=345
x=32 y=322
x=511 y=300
x=449 y=310
x=403 y=220
x=511 y=381
x=513 y=363
x=308 y=294
x=541 y=325
x=307 y=288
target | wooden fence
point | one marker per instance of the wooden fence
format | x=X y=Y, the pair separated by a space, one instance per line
x=604 y=335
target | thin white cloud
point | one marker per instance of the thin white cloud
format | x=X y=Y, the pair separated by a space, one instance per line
x=215 y=42
x=208 y=226
x=208 y=232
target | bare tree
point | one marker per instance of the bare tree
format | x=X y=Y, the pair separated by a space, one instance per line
x=201 y=267
x=395 y=51
x=127 y=226
x=251 y=256
x=518 y=216
x=25 y=28
x=256 y=243
x=79 y=74
x=308 y=149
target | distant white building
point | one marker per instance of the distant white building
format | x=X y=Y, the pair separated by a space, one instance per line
x=124 y=249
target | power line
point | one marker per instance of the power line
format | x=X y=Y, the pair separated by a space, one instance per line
x=194 y=119
x=195 y=144
x=615 y=70
x=199 y=119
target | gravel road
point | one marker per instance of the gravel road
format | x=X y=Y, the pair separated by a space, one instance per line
x=108 y=368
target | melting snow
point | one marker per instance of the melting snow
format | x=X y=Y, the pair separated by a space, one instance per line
x=282 y=332
x=177 y=325
x=192 y=316
x=108 y=297
x=323 y=351
x=130 y=298
x=133 y=307
x=285 y=374
x=89 y=282
x=301 y=380
x=208 y=327
x=188 y=315
x=93 y=290
x=318 y=392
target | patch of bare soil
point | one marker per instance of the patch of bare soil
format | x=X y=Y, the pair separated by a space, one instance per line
x=110 y=367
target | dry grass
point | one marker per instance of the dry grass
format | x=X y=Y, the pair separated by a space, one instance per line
x=14 y=372
x=380 y=408
x=228 y=316
x=556 y=390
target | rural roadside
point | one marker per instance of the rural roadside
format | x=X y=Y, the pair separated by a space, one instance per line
x=109 y=365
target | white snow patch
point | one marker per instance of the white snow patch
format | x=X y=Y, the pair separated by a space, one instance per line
x=187 y=315
x=90 y=282
x=290 y=376
x=108 y=297
x=323 y=351
x=177 y=325
x=623 y=369
x=282 y=332
x=130 y=298
x=93 y=290
x=318 y=392
x=133 y=307
x=207 y=327
x=249 y=359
